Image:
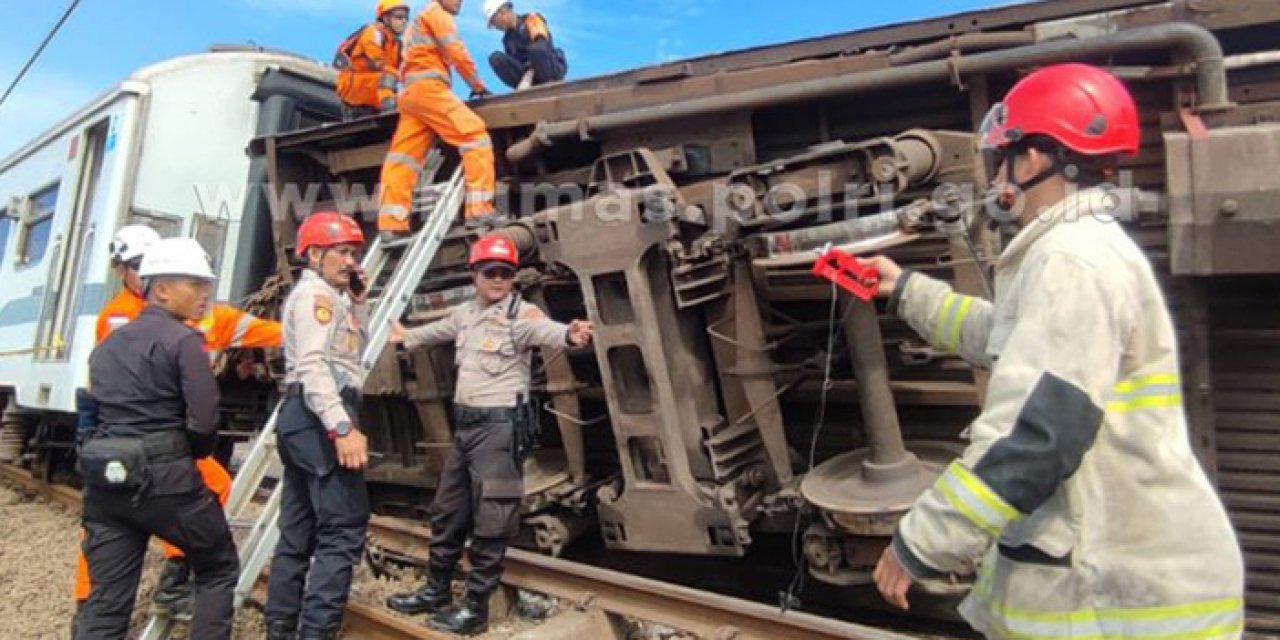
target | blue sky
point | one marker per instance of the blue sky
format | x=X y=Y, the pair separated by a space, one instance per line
x=107 y=39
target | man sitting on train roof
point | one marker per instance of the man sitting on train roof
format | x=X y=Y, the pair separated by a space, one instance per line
x=530 y=57
x=368 y=62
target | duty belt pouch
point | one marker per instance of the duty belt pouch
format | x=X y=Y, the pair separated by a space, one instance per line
x=113 y=463
x=528 y=429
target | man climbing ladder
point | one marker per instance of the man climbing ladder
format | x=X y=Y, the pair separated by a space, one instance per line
x=429 y=108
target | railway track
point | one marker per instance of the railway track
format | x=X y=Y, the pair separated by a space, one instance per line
x=706 y=614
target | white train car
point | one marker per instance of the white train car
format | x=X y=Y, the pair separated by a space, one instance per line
x=166 y=147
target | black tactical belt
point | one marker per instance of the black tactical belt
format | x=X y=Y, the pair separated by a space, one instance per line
x=166 y=445
x=478 y=415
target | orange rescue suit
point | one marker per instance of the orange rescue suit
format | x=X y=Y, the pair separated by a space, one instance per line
x=428 y=107
x=223 y=328
x=371 y=71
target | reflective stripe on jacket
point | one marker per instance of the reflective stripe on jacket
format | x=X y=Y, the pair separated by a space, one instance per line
x=432 y=46
x=223 y=328
x=374 y=74
x=1078 y=503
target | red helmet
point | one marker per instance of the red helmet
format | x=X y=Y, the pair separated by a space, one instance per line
x=327 y=229
x=494 y=248
x=1084 y=108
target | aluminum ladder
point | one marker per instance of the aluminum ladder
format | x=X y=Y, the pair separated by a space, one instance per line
x=416 y=254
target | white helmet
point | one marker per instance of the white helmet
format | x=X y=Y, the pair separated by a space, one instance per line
x=131 y=242
x=176 y=257
x=492 y=7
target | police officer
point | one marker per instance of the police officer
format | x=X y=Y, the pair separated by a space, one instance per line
x=481 y=482
x=158 y=411
x=325 y=509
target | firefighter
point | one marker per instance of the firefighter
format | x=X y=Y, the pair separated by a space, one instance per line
x=482 y=482
x=1078 y=502
x=223 y=328
x=428 y=108
x=527 y=46
x=325 y=509
x=368 y=62
x=158 y=411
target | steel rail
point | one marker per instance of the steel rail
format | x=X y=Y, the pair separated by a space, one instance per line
x=704 y=613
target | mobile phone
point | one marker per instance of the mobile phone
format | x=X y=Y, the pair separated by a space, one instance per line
x=357 y=284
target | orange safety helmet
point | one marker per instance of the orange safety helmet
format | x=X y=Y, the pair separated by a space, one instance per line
x=494 y=248
x=327 y=229
x=386 y=6
x=1082 y=107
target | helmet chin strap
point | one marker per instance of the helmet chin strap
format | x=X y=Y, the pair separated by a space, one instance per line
x=1002 y=209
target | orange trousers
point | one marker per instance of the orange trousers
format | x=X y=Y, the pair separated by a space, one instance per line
x=215 y=476
x=429 y=108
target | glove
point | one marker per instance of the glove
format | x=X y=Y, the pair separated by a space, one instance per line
x=480 y=94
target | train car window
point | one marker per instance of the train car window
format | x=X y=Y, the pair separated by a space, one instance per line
x=211 y=233
x=38 y=225
x=167 y=225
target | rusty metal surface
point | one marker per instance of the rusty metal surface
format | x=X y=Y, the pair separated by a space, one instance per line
x=1244 y=325
x=769 y=397
x=703 y=613
x=1224 y=217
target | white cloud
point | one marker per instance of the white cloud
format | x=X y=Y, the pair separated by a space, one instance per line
x=41 y=101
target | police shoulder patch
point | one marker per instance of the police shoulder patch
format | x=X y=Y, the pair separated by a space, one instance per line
x=323 y=308
x=532 y=312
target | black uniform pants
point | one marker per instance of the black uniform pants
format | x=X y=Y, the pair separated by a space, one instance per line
x=324 y=512
x=548 y=65
x=479 y=493
x=115 y=544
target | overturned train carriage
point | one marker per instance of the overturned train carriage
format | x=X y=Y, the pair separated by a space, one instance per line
x=679 y=207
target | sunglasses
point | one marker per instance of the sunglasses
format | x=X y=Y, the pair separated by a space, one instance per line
x=398 y=15
x=498 y=273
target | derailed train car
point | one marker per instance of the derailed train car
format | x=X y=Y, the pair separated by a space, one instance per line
x=730 y=392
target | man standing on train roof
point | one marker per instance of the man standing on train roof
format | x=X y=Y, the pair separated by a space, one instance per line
x=527 y=46
x=1078 y=503
x=429 y=109
x=223 y=327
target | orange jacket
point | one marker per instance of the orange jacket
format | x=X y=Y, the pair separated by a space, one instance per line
x=432 y=47
x=374 y=69
x=223 y=328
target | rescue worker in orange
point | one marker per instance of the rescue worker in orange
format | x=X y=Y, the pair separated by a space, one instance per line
x=223 y=328
x=428 y=108
x=368 y=62
x=527 y=47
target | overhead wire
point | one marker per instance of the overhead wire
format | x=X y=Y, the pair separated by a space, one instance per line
x=39 y=50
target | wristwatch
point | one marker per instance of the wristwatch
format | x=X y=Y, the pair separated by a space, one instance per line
x=341 y=431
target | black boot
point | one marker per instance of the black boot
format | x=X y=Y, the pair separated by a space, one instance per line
x=470 y=616
x=174 y=590
x=314 y=633
x=282 y=630
x=435 y=593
